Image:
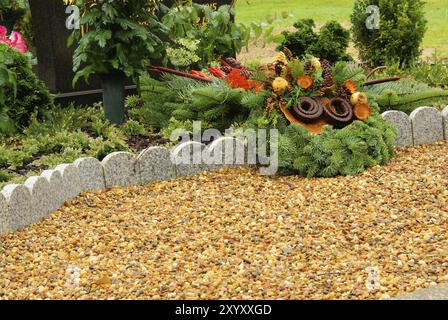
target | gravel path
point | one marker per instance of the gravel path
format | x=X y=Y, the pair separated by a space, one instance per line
x=236 y=234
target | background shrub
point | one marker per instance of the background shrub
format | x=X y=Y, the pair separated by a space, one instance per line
x=330 y=43
x=398 y=39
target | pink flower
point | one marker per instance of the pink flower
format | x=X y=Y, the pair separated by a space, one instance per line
x=15 y=40
x=18 y=42
x=3 y=32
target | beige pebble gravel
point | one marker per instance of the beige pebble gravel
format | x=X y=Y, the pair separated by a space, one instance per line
x=235 y=234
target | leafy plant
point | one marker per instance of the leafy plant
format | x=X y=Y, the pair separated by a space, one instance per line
x=399 y=36
x=217 y=32
x=405 y=95
x=330 y=43
x=432 y=71
x=122 y=36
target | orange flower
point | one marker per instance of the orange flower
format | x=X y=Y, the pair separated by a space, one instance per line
x=305 y=82
x=236 y=80
x=255 y=85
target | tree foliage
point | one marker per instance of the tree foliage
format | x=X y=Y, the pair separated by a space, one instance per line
x=120 y=36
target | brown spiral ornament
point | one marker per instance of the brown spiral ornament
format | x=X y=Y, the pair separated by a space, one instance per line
x=307 y=109
x=338 y=112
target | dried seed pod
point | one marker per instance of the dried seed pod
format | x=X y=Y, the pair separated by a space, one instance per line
x=350 y=87
x=358 y=97
x=233 y=62
x=362 y=111
x=226 y=69
x=245 y=72
x=305 y=82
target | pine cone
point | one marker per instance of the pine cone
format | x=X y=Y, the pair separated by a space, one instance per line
x=278 y=68
x=226 y=69
x=308 y=66
x=327 y=74
x=245 y=73
x=288 y=53
x=233 y=62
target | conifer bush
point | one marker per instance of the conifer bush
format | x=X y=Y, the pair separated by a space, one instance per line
x=402 y=26
x=329 y=44
x=346 y=151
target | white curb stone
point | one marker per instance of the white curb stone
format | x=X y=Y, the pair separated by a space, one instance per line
x=402 y=123
x=187 y=157
x=57 y=192
x=427 y=125
x=91 y=174
x=120 y=170
x=227 y=151
x=41 y=204
x=18 y=199
x=4 y=215
x=445 y=122
x=155 y=165
x=71 y=179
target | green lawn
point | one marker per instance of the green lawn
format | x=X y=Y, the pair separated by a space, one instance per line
x=340 y=10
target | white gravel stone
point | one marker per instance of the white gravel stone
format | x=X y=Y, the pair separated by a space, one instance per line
x=402 y=123
x=18 y=199
x=120 y=170
x=41 y=203
x=427 y=125
x=91 y=174
x=155 y=165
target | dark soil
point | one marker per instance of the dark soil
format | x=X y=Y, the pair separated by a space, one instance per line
x=25 y=169
x=140 y=143
x=89 y=131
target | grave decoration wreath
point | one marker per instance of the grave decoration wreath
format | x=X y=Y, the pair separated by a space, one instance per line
x=328 y=125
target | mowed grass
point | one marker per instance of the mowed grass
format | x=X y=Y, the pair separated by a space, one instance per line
x=321 y=11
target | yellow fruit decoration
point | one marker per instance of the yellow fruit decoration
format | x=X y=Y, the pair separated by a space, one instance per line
x=358 y=97
x=281 y=57
x=280 y=85
x=315 y=62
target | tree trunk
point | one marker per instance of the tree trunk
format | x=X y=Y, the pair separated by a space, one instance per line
x=113 y=96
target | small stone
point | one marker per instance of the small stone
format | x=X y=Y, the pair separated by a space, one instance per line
x=287 y=250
